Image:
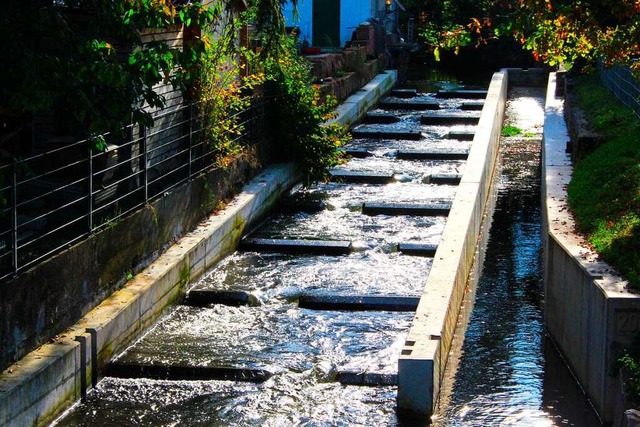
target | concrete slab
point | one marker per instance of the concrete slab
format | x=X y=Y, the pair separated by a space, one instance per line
x=383 y=118
x=444 y=179
x=359 y=177
x=418 y=249
x=297 y=246
x=367 y=379
x=408 y=105
x=413 y=209
x=358 y=303
x=187 y=373
x=432 y=154
x=207 y=297
x=364 y=133
x=448 y=119
x=404 y=93
x=359 y=153
x=472 y=105
x=462 y=135
x=462 y=93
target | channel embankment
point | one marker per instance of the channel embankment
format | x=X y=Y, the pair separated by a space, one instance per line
x=36 y=389
x=589 y=313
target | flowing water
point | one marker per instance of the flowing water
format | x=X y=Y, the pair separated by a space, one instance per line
x=502 y=375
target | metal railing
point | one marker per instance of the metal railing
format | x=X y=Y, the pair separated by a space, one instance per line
x=621 y=82
x=68 y=191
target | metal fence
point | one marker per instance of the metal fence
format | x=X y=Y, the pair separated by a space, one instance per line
x=69 y=190
x=623 y=85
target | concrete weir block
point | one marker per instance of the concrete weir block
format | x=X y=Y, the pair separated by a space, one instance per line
x=418 y=249
x=359 y=177
x=448 y=120
x=463 y=93
x=444 y=179
x=358 y=303
x=186 y=373
x=207 y=297
x=380 y=118
x=408 y=105
x=472 y=105
x=432 y=154
x=367 y=379
x=364 y=133
x=435 y=209
x=404 y=93
x=461 y=135
x=359 y=153
x=297 y=246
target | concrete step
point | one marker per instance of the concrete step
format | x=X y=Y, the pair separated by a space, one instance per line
x=448 y=120
x=381 y=118
x=418 y=249
x=359 y=177
x=207 y=297
x=472 y=105
x=367 y=378
x=404 y=93
x=463 y=93
x=184 y=373
x=359 y=303
x=359 y=153
x=444 y=179
x=408 y=105
x=300 y=204
x=432 y=154
x=435 y=209
x=462 y=135
x=297 y=246
x=410 y=134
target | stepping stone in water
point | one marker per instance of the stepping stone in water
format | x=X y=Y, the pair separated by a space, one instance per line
x=359 y=303
x=463 y=93
x=448 y=120
x=381 y=118
x=408 y=105
x=297 y=246
x=367 y=378
x=362 y=177
x=295 y=205
x=404 y=93
x=418 y=249
x=444 y=179
x=206 y=297
x=439 y=209
x=472 y=105
x=462 y=135
x=181 y=373
x=410 y=134
x=432 y=154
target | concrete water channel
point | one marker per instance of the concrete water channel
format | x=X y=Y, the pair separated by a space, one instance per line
x=305 y=322
x=312 y=321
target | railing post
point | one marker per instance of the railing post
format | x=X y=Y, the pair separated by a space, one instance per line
x=14 y=215
x=190 y=139
x=90 y=186
x=143 y=161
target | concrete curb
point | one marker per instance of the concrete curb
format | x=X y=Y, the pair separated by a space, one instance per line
x=423 y=357
x=38 y=388
x=588 y=312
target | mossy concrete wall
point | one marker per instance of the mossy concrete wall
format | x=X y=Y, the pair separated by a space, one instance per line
x=589 y=313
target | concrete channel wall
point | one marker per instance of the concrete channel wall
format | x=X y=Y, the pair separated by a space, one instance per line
x=38 y=388
x=588 y=312
x=424 y=355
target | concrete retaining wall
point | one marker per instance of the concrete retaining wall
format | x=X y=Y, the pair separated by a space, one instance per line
x=41 y=385
x=588 y=312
